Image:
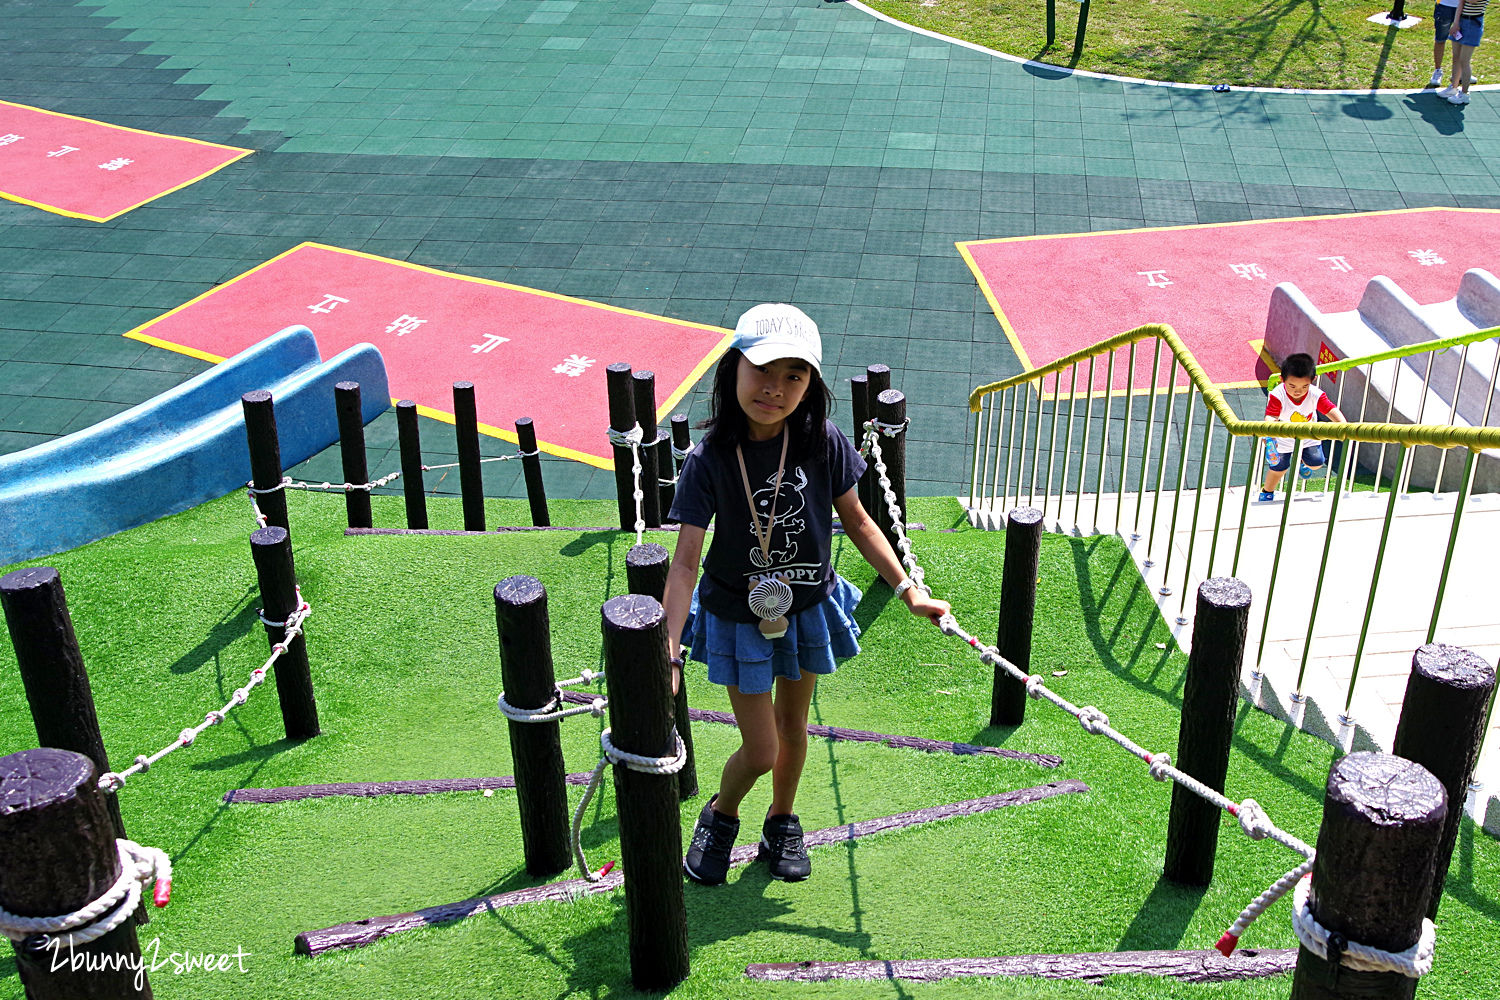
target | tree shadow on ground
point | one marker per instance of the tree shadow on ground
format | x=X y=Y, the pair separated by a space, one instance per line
x=1248 y=39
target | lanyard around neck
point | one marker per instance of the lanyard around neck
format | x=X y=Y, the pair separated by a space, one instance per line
x=763 y=538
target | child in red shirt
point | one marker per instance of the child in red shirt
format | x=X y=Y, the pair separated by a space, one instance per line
x=1296 y=400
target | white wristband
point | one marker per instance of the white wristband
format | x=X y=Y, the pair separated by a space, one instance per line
x=904 y=586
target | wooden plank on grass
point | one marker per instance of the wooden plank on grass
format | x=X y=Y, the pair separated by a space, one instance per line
x=1190 y=966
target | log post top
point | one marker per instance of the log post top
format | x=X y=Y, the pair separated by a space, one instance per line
x=646 y=554
x=1024 y=515
x=34 y=779
x=633 y=612
x=1225 y=592
x=1452 y=665
x=269 y=535
x=520 y=591
x=1386 y=790
x=34 y=577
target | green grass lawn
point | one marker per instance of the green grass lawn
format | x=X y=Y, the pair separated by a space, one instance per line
x=1275 y=43
x=404 y=654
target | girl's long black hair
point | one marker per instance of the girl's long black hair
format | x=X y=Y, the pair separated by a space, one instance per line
x=727 y=425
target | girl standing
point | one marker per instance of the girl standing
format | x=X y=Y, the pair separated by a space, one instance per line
x=769 y=610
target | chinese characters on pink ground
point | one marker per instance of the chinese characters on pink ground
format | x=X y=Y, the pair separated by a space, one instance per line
x=1212 y=284
x=529 y=353
x=91 y=170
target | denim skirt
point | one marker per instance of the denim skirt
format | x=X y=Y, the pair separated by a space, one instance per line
x=737 y=654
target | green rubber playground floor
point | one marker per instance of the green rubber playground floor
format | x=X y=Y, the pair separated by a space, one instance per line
x=682 y=158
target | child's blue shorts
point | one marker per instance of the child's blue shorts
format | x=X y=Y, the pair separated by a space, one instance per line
x=1312 y=457
x=737 y=654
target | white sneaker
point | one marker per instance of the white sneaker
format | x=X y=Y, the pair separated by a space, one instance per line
x=1437 y=77
x=1459 y=98
x=1448 y=91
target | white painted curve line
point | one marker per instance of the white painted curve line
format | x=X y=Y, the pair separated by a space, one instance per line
x=1089 y=74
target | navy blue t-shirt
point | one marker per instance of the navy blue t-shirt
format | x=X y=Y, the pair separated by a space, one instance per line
x=710 y=487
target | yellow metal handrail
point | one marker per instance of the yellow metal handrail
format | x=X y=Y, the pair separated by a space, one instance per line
x=1438 y=435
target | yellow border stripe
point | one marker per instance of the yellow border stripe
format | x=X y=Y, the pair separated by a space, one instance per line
x=137 y=131
x=672 y=399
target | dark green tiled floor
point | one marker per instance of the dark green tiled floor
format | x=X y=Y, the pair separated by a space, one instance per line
x=682 y=158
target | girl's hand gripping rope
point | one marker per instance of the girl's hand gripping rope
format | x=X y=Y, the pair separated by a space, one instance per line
x=924 y=605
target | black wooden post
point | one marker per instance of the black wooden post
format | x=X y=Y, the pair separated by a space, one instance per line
x=1442 y=728
x=57 y=854
x=646 y=573
x=859 y=411
x=412 y=483
x=52 y=670
x=890 y=408
x=1209 y=699
x=470 y=472
x=669 y=460
x=352 y=450
x=531 y=467
x=643 y=385
x=526 y=673
x=265 y=455
x=1382 y=819
x=622 y=419
x=272 y=552
x=1023 y=553
x=640 y=716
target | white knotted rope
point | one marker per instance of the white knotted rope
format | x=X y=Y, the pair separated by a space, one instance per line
x=482 y=461
x=635 y=762
x=873 y=428
x=1413 y=963
x=139 y=866
x=553 y=710
x=1252 y=818
x=632 y=439
x=288 y=483
x=113 y=781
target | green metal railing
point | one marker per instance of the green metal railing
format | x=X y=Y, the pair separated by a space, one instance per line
x=1189 y=438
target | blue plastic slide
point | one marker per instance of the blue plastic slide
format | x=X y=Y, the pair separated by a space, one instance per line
x=177 y=450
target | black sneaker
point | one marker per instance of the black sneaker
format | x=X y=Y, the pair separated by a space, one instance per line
x=707 y=860
x=781 y=845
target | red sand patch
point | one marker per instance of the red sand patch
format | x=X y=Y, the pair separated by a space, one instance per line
x=1212 y=284
x=89 y=170
x=529 y=353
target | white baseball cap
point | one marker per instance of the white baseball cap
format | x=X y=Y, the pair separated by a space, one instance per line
x=776 y=330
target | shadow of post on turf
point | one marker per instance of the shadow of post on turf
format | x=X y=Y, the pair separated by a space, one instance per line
x=1163 y=917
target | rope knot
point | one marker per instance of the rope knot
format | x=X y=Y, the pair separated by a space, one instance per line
x=1034 y=686
x=214 y=718
x=1253 y=820
x=186 y=737
x=1159 y=763
x=597 y=706
x=627 y=439
x=1092 y=720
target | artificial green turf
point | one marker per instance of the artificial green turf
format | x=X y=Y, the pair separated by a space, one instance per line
x=404 y=654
